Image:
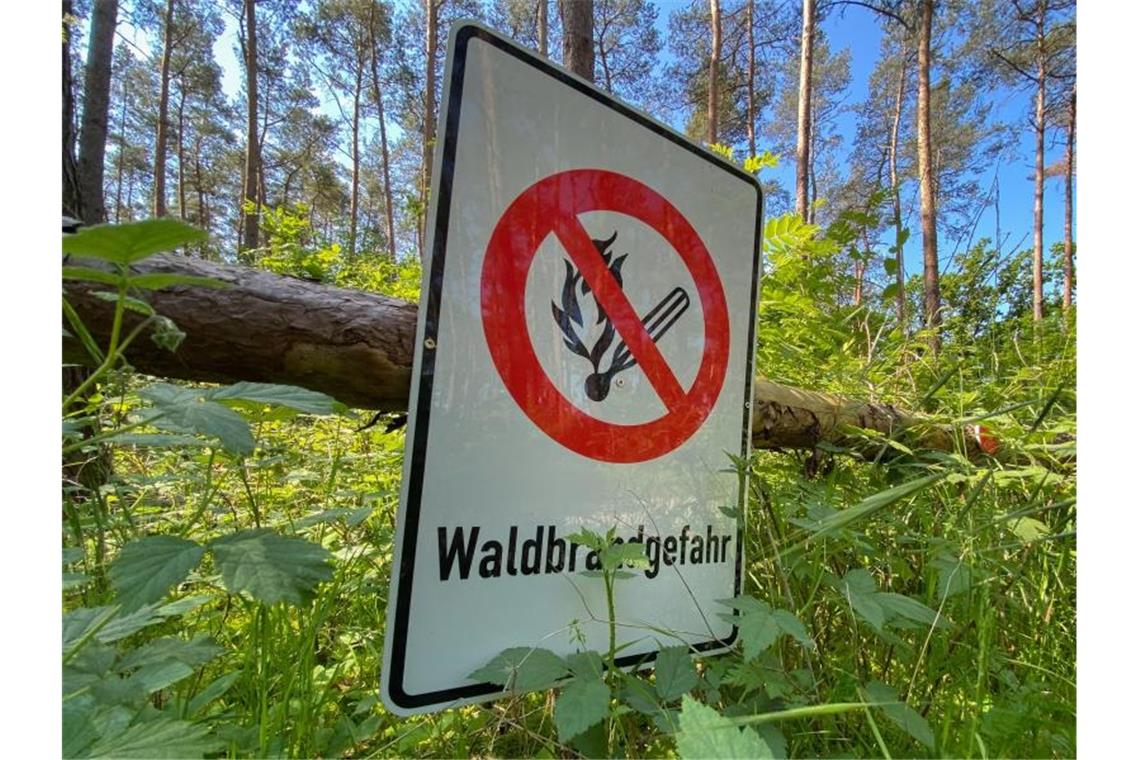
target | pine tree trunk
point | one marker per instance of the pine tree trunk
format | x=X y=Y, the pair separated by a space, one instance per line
x=932 y=299
x=181 y=148
x=578 y=37
x=1039 y=174
x=543 y=28
x=250 y=196
x=803 y=127
x=203 y=217
x=265 y=105
x=161 y=136
x=429 y=117
x=71 y=203
x=1068 y=262
x=92 y=471
x=896 y=198
x=120 y=160
x=811 y=209
x=378 y=94
x=354 y=202
x=714 y=70
x=751 y=78
x=96 y=101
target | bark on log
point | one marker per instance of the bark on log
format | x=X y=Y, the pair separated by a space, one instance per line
x=358 y=348
x=354 y=346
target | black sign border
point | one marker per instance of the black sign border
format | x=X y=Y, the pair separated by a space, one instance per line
x=418 y=447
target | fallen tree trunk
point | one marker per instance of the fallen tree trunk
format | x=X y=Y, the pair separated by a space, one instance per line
x=352 y=345
x=357 y=347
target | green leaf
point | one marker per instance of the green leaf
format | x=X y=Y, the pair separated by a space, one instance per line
x=159 y=738
x=639 y=695
x=163 y=440
x=954 y=576
x=124 y=625
x=748 y=675
x=301 y=399
x=706 y=735
x=166 y=334
x=1029 y=529
x=616 y=555
x=858 y=587
x=132 y=304
x=582 y=704
x=159 y=675
x=586 y=664
x=159 y=280
x=868 y=507
x=90 y=274
x=587 y=538
x=357 y=516
x=758 y=629
x=870 y=610
x=181 y=606
x=859 y=581
x=791 y=625
x=194 y=652
x=216 y=689
x=78 y=730
x=128 y=243
x=676 y=674
x=104 y=624
x=522 y=669
x=909 y=609
x=890 y=266
x=774 y=738
x=271 y=567
x=900 y=713
x=75 y=580
x=185 y=412
x=147 y=568
x=165 y=661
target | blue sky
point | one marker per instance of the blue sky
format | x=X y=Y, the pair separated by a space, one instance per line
x=858 y=30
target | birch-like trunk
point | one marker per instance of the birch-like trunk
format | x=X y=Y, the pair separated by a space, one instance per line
x=250 y=196
x=1069 y=157
x=803 y=126
x=932 y=298
x=162 y=134
x=714 y=71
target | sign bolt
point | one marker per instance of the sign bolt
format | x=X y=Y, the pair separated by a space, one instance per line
x=429 y=344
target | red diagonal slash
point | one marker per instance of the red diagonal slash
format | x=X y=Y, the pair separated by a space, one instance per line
x=613 y=301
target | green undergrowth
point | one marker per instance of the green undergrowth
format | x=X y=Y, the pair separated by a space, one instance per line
x=227 y=551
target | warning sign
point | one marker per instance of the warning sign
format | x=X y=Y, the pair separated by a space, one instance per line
x=551 y=206
x=583 y=361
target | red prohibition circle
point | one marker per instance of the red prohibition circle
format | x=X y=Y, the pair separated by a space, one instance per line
x=552 y=206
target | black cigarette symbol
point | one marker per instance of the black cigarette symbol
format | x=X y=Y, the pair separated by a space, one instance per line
x=657 y=322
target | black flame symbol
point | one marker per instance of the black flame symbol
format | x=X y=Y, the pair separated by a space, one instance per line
x=657 y=322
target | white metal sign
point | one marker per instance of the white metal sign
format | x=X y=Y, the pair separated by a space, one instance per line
x=583 y=360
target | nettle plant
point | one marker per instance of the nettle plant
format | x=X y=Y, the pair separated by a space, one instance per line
x=596 y=696
x=719 y=707
x=127 y=692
